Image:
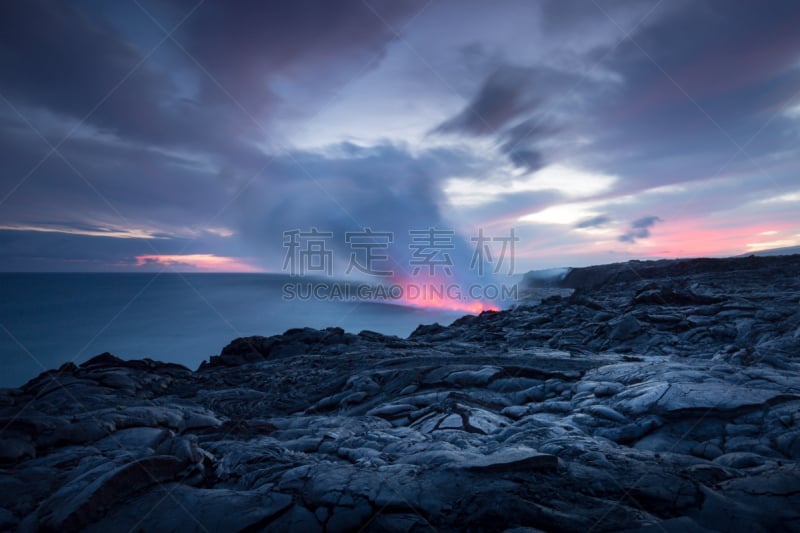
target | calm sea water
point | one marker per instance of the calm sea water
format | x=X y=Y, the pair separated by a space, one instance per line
x=49 y=319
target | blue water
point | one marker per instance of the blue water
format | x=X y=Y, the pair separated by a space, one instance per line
x=49 y=319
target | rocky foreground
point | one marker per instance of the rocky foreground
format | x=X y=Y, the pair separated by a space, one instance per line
x=659 y=396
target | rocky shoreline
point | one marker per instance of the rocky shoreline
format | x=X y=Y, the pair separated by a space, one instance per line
x=658 y=396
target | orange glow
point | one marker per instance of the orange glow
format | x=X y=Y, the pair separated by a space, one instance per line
x=201 y=262
x=436 y=292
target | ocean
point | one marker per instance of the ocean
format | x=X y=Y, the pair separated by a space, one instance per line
x=47 y=319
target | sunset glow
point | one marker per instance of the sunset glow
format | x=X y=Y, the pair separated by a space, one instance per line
x=200 y=262
x=695 y=238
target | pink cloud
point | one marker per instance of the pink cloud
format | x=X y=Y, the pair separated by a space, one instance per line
x=694 y=237
x=195 y=262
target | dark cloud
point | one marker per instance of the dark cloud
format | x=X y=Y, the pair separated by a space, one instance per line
x=640 y=229
x=513 y=103
x=564 y=16
x=645 y=222
x=56 y=57
x=46 y=251
x=716 y=52
x=114 y=183
x=246 y=43
x=60 y=251
x=699 y=78
x=504 y=95
x=519 y=142
x=527 y=158
x=594 y=222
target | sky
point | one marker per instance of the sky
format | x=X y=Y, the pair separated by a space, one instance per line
x=139 y=135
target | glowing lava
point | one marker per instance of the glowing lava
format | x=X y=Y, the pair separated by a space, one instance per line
x=435 y=292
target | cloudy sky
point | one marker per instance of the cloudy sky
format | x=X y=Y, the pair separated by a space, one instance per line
x=138 y=134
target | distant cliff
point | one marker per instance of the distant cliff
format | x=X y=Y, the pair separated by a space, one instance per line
x=593 y=277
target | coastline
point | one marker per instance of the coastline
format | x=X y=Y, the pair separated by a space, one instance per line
x=669 y=401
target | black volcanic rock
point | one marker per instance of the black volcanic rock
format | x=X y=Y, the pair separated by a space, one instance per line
x=662 y=401
x=653 y=295
x=104 y=359
x=294 y=341
x=594 y=277
x=424 y=330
